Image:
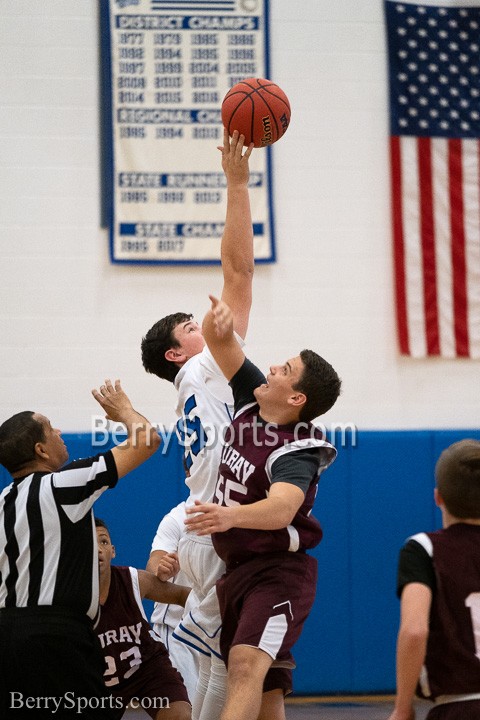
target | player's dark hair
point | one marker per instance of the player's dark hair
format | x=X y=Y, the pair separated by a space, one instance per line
x=102 y=524
x=320 y=383
x=18 y=437
x=157 y=341
x=457 y=473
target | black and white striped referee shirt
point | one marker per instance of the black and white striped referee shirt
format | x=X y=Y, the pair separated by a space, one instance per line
x=48 y=542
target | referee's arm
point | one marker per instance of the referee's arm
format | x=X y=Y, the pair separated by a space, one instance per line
x=142 y=438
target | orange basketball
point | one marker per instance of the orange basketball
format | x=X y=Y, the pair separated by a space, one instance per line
x=258 y=109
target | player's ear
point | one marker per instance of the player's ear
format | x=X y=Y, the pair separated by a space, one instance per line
x=113 y=551
x=438 y=498
x=175 y=356
x=297 y=399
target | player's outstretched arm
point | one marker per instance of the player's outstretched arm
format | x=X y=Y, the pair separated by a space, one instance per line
x=163 y=564
x=411 y=646
x=237 y=241
x=217 y=329
x=275 y=512
x=142 y=438
x=165 y=592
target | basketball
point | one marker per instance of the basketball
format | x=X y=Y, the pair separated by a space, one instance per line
x=258 y=109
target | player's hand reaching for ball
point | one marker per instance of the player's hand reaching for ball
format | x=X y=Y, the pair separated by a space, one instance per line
x=222 y=317
x=208 y=518
x=234 y=160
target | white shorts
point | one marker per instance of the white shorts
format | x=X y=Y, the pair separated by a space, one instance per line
x=200 y=627
x=183 y=657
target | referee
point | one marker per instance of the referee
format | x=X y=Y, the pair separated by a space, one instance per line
x=50 y=659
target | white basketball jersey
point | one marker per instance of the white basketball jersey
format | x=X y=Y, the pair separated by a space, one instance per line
x=205 y=409
x=168 y=535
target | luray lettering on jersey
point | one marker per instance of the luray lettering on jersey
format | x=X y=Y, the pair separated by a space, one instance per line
x=125 y=633
x=237 y=464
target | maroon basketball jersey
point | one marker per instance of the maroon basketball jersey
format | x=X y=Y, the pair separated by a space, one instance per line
x=453 y=651
x=245 y=476
x=125 y=635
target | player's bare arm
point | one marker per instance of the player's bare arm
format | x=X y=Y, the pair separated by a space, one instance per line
x=217 y=330
x=168 y=567
x=237 y=241
x=163 y=564
x=411 y=646
x=142 y=438
x=165 y=592
x=275 y=512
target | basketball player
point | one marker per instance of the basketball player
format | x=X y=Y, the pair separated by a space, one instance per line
x=138 y=667
x=163 y=562
x=438 y=646
x=174 y=349
x=261 y=515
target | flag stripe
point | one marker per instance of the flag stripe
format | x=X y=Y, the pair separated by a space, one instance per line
x=458 y=246
x=413 y=247
x=443 y=247
x=398 y=245
x=428 y=245
x=471 y=186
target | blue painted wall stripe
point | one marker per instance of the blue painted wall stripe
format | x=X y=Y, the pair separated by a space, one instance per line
x=375 y=495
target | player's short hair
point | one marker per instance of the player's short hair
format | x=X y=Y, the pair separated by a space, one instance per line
x=102 y=524
x=457 y=474
x=157 y=341
x=18 y=437
x=320 y=383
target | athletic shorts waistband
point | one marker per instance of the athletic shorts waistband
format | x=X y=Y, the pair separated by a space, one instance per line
x=270 y=557
x=199 y=539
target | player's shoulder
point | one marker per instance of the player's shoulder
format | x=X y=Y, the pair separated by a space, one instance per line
x=173 y=519
x=189 y=370
x=121 y=570
x=124 y=575
x=205 y=363
x=177 y=513
x=422 y=539
x=198 y=369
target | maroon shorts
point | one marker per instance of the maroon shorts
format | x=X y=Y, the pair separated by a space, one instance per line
x=264 y=603
x=467 y=710
x=155 y=685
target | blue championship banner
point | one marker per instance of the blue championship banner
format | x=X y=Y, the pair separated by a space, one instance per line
x=166 y=67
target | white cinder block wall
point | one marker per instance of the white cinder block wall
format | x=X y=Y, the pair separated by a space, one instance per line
x=68 y=318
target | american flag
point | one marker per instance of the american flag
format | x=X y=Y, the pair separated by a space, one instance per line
x=434 y=75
